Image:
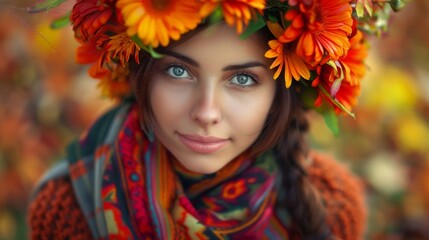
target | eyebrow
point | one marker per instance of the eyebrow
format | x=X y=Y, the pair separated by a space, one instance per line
x=227 y=68
x=244 y=65
x=181 y=57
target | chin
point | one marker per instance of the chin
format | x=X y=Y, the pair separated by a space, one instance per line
x=203 y=168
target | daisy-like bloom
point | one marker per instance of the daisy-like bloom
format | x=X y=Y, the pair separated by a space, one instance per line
x=285 y=54
x=343 y=82
x=235 y=12
x=156 y=22
x=294 y=66
x=89 y=15
x=322 y=29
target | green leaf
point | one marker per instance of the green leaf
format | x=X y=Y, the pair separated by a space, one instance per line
x=154 y=53
x=216 y=16
x=61 y=22
x=362 y=5
x=398 y=4
x=360 y=10
x=45 y=6
x=331 y=121
x=138 y=41
x=369 y=7
x=272 y=18
x=254 y=26
x=308 y=96
x=148 y=49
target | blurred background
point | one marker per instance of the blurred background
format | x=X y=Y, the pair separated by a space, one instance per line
x=46 y=100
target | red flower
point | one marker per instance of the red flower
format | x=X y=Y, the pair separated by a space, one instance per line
x=90 y=15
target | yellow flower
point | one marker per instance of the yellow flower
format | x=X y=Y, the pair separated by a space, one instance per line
x=286 y=56
x=235 y=12
x=156 y=22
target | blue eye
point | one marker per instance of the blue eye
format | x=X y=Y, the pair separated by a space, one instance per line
x=178 y=71
x=243 y=80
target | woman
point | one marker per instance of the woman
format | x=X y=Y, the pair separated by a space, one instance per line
x=207 y=145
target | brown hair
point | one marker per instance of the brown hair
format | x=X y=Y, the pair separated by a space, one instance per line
x=284 y=131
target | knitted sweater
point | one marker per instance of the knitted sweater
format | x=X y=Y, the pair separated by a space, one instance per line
x=55 y=214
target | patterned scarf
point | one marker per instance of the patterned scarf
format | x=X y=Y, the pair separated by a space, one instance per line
x=146 y=194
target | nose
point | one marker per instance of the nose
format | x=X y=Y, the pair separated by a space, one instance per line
x=206 y=110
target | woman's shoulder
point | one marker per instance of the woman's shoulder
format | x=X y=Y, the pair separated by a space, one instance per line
x=54 y=212
x=343 y=194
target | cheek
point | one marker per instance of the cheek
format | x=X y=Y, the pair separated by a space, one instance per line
x=162 y=103
x=248 y=117
x=170 y=103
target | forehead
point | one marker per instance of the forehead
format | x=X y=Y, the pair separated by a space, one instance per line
x=221 y=42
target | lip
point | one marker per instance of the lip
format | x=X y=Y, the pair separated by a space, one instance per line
x=202 y=144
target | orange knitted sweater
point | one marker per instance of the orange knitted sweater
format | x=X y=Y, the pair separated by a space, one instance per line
x=54 y=213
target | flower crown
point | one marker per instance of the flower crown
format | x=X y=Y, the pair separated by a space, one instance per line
x=318 y=46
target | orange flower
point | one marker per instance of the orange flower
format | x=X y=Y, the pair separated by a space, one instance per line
x=114 y=80
x=155 y=22
x=109 y=51
x=235 y=12
x=88 y=52
x=233 y=190
x=121 y=46
x=285 y=55
x=113 y=76
x=89 y=15
x=321 y=28
x=354 y=60
x=351 y=66
x=343 y=83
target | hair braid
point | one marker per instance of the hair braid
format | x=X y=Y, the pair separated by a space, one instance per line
x=302 y=199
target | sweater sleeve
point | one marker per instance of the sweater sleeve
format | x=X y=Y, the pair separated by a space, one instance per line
x=55 y=214
x=343 y=195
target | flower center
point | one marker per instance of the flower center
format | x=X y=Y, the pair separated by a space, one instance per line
x=160 y=4
x=316 y=18
x=289 y=48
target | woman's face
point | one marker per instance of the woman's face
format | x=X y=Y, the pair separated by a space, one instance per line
x=210 y=96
